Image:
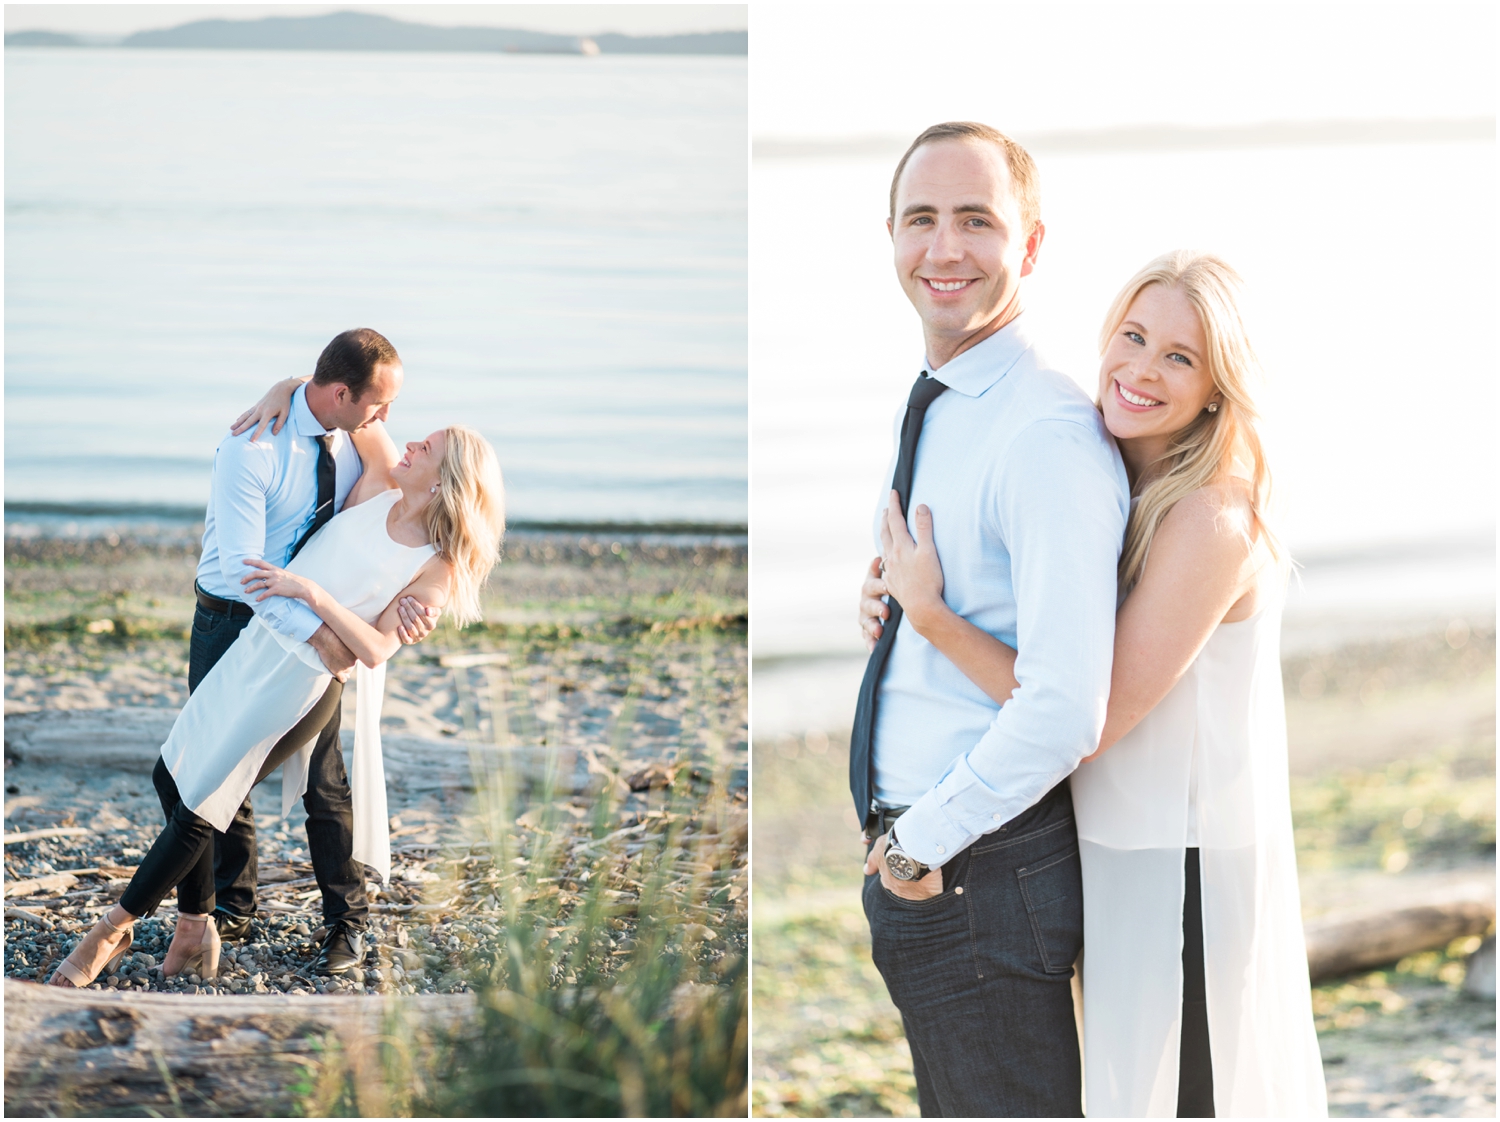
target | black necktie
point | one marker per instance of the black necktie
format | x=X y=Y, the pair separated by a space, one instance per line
x=324 y=510
x=862 y=744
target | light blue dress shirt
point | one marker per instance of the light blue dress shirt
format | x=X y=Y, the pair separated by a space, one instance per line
x=1029 y=500
x=261 y=501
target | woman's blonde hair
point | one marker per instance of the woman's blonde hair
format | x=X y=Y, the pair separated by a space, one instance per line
x=1214 y=446
x=466 y=518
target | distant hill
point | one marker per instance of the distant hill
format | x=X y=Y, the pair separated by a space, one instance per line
x=363 y=31
x=41 y=39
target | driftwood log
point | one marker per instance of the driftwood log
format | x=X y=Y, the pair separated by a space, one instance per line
x=94 y=1052
x=1361 y=940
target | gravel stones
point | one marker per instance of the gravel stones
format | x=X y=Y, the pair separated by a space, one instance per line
x=676 y=701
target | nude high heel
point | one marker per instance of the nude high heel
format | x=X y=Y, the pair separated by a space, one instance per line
x=73 y=970
x=200 y=957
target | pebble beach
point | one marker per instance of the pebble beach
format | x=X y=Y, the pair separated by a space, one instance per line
x=632 y=650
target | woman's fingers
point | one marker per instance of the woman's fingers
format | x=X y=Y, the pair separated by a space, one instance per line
x=923 y=522
x=896 y=522
x=264 y=569
x=872 y=609
x=260 y=416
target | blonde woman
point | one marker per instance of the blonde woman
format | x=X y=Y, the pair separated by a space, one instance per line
x=425 y=524
x=1196 y=995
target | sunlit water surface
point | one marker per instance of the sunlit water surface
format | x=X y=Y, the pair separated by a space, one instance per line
x=556 y=246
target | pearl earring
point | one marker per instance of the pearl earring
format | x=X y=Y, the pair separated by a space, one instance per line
x=1213 y=406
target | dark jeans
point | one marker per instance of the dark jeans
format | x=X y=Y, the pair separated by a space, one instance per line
x=1195 y=1080
x=329 y=805
x=182 y=854
x=982 y=973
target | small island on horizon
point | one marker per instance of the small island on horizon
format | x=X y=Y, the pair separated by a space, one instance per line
x=363 y=31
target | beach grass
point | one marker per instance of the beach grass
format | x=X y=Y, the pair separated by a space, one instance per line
x=614 y=979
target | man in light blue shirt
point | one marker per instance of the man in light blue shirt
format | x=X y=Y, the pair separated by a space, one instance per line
x=973 y=888
x=262 y=501
x=270 y=490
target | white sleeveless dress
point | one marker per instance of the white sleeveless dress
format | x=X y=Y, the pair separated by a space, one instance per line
x=265 y=683
x=1221 y=730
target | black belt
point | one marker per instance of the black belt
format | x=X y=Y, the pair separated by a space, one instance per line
x=234 y=609
x=880 y=819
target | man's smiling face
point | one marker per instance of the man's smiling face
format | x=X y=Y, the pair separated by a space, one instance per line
x=960 y=247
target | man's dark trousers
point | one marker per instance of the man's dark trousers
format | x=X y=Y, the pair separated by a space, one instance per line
x=329 y=805
x=982 y=973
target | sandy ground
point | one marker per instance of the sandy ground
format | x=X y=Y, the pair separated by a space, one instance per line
x=1393 y=750
x=635 y=649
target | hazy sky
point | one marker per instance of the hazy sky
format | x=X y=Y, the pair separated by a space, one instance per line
x=631 y=19
x=825 y=70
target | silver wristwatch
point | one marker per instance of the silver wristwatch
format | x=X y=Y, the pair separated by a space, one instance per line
x=899 y=864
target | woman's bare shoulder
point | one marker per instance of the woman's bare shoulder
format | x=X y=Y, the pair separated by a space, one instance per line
x=1218 y=517
x=436 y=574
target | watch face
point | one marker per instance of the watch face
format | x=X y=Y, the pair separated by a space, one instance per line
x=900 y=865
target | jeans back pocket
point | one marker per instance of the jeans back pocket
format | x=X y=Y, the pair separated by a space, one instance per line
x=1053 y=891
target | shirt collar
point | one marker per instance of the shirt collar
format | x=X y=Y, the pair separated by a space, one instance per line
x=302 y=418
x=974 y=371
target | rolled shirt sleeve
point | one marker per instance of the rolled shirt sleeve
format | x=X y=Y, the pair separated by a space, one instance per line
x=1059 y=508
x=242 y=479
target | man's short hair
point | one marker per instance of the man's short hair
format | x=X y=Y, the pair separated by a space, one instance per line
x=1025 y=184
x=351 y=360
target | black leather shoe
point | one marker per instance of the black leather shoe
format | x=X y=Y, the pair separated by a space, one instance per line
x=232 y=928
x=343 y=949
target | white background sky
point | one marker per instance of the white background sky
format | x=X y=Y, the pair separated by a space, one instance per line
x=567 y=19
x=1323 y=243
x=833 y=70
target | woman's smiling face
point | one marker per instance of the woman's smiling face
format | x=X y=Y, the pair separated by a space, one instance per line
x=419 y=467
x=1154 y=378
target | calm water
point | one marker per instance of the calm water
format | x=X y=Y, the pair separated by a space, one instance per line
x=1372 y=272
x=556 y=245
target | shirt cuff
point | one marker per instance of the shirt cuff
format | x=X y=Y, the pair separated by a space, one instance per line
x=950 y=817
x=291 y=618
x=929 y=835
